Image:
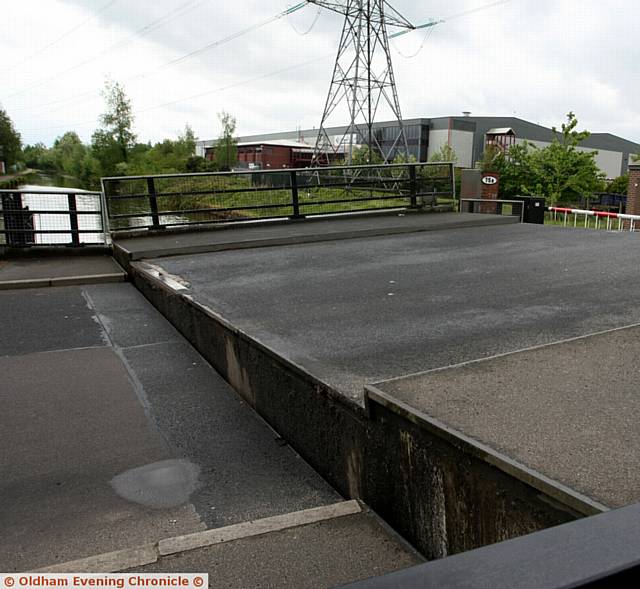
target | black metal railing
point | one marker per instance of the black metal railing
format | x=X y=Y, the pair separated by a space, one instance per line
x=174 y=200
x=44 y=217
x=489 y=206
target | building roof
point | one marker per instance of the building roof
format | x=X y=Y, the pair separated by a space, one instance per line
x=277 y=142
x=501 y=131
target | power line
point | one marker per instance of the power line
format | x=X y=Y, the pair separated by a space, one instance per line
x=310 y=28
x=193 y=96
x=61 y=37
x=184 y=57
x=172 y=14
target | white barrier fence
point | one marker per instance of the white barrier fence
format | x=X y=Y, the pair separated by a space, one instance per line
x=600 y=218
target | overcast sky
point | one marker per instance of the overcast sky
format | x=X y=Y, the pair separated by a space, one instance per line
x=535 y=59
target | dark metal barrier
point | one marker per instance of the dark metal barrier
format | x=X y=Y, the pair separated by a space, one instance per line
x=493 y=207
x=46 y=217
x=174 y=200
x=598 y=551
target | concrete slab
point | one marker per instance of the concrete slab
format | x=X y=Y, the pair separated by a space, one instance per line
x=310 y=230
x=34 y=272
x=317 y=555
x=115 y=432
x=365 y=310
x=246 y=470
x=569 y=411
x=66 y=432
x=36 y=320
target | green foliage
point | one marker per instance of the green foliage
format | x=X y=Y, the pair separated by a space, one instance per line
x=635 y=158
x=362 y=156
x=112 y=143
x=226 y=152
x=118 y=118
x=403 y=159
x=446 y=153
x=166 y=157
x=39 y=156
x=10 y=141
x=561 y=172
x=619 y=185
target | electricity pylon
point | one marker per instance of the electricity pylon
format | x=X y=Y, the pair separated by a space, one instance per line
x=363 y=80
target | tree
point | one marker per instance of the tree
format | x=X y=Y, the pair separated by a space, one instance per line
x=38 y=156
x=113 y=142
x=362 y=156
x=562 y=171
x=10 y=141
x=619 y=185
x=69 y=153
x=514 y=168
x=168 y=156
x=446 y=153
x=226 y=153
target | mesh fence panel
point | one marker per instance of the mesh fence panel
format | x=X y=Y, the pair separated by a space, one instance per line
x=188 y=199
x=50 y=218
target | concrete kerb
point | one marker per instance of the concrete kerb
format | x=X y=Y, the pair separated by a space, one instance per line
x=63 y=281
x=562 y=494
x=120 y=560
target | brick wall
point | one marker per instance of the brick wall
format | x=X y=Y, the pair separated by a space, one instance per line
x=489 y=191
x=633 y=192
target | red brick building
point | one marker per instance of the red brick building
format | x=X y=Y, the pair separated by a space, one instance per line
x=270 y=155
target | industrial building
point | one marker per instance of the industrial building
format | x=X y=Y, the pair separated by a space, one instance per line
x=467 y=135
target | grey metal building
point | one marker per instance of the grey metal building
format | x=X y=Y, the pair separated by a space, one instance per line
x=468 y=135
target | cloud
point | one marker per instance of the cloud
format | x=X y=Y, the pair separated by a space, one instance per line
x=535 y=58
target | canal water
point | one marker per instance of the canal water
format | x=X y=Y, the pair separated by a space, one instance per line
x=61 y=222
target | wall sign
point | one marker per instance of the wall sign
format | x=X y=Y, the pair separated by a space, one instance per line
x=489 y=180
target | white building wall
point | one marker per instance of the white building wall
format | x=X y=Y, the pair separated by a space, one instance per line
x=462 y=144
x=610 y=162
x=436 y=140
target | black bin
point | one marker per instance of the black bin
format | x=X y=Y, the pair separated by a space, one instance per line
x=533 y=209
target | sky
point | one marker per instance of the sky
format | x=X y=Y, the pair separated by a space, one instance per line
x=534 y=59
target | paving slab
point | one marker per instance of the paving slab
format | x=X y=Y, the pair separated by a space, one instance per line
x=570 y=411
x=70 y=423
x=309 y=230
x=115 y=432
x=37 y=320
x=58 y=270
x=364 y=310
x=318 y=555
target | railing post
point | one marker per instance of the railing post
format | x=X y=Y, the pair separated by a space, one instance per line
x=153 y=204
x=413 y=185
x=295 y=202
x=73 y=219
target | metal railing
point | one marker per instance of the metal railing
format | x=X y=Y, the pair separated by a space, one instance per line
x=41 y=217
x=179 y=200
x=601 y=219
x=493 y=206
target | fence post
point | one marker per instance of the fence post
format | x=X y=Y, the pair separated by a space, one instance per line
x=153 y=204
x=295 y=202
x=73 y=219
x=413 y=186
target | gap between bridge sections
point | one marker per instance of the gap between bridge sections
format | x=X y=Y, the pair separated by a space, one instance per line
x=290 y=232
